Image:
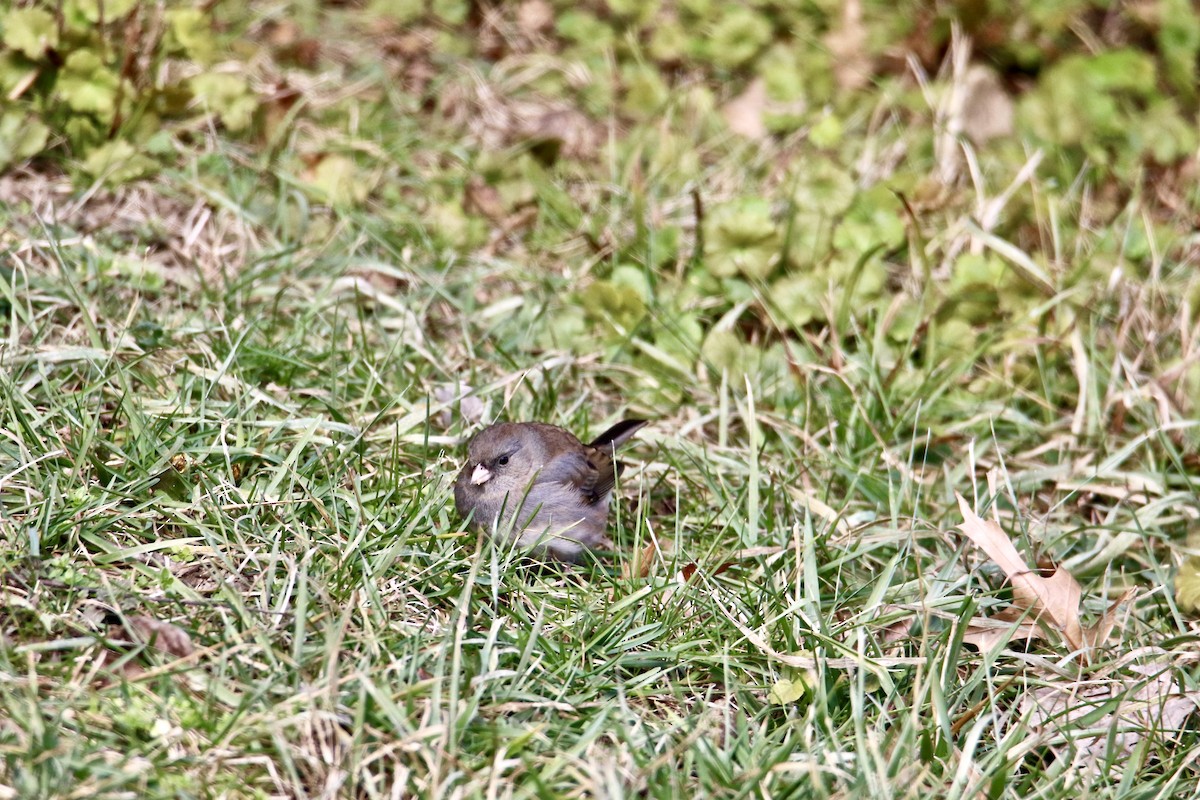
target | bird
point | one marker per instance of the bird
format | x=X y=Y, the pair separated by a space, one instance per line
x=539 y=486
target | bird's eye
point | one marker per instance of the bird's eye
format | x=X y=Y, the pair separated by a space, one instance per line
x=501 y=461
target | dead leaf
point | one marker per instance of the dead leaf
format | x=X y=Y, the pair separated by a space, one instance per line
x=287 y=38
x=497 y=121
x=277 y=108
x=1038 y=601
x=643 y=562
x=987 y=110
x=1097 y=634
x=900 y=627
x=744 y=113
x=161 y=636
x=691 y=568
x=535 y=17
x=1053 y=601
x=847 y=44
x=1058 y=597
x=470 y=406
x=1013 y=624
x=1122 y=710
x=480 y=197
x=549 y=132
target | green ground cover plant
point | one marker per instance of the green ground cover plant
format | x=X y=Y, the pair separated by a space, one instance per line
x=908 y=293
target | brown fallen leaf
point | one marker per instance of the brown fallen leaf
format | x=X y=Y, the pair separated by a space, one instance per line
x=1097 y=635
x=291 y=45
x=550 y=131
x=470 y=406
x=847 y=43
x=162 y=636
x=691 y=568
x=1052 y=601
x=481 y=198
x=277 y=108
x=744 y=113
x=535 y=18
x=641 y=563
x=1038 y=602
x=1118 y=712
x=987 y=110
x=1013 y=624
x=899 y=628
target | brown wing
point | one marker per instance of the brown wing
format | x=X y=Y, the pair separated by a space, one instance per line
x=576 y=468
x=589 y=469
x=601 y=455
x=605 y=471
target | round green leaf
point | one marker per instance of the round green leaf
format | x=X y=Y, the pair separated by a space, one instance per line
x=30 y=31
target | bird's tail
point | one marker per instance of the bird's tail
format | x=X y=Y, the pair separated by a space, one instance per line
x=618 y=434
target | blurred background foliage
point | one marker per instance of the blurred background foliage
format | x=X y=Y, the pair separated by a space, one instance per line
x=943 y=193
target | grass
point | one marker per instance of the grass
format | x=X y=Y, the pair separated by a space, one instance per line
x=240 y=412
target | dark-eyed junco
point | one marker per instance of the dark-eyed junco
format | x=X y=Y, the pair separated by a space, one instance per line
x=539 y=486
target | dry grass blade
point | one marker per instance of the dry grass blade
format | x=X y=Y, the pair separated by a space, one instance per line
x=810 y=662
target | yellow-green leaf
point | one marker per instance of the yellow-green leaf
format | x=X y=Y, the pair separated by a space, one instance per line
x=21 y=137
x=117 y=162
x=227 y=96
x=95 y=11
x=1187 y=586
x=30 y=31
x=339 y=181
x=88 y=85
x=190 y=30
x=788 y=690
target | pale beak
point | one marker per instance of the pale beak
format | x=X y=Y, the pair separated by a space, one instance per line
x=481 y=475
